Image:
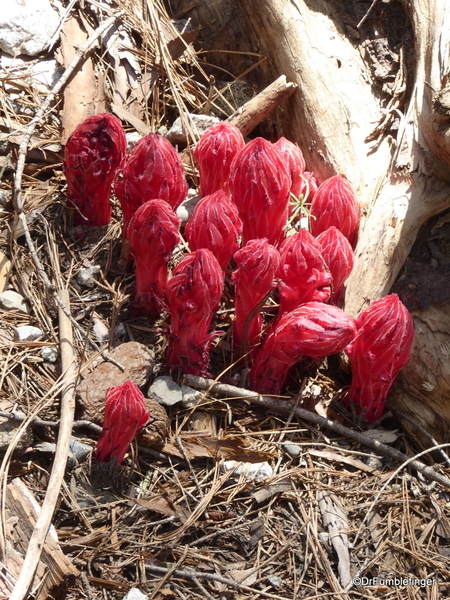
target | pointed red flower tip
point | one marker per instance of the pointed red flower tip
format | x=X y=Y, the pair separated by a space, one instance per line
x=303 y=273
x=257 y=263
x=93 y=154
x=193 y=294
x=339 y=256
x=260 y=184
x=293 y=159
x=216 y=225
x=214 y=154
x=313 y=330
x=153 y=233
x=125 y=415
x=152 y=170
x=382 y=346
x=335 y=204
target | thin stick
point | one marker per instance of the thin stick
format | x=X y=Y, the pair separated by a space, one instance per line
x=17 y=190
x=284 y=407
x=44 y=519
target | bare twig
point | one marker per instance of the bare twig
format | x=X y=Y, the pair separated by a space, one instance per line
x=283 y=407
x=44 y=519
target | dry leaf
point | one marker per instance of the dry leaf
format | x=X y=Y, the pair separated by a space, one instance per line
x=232 y=448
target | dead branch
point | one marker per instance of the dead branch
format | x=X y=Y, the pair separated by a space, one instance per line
x=284 y=407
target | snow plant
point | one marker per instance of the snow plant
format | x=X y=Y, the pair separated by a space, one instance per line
x=153 y=170
x=193 y=294
x=125 y=415
x=382 y=346
x=313 y=330
x=153 y=233
x=93 y=154
x=254 y=278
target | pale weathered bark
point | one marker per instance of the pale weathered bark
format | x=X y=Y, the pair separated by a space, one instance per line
x=402 y=178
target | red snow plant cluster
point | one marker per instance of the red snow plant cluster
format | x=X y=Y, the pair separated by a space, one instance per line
x=248 y=235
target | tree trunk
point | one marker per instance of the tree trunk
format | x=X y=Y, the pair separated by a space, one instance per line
x=373 y=104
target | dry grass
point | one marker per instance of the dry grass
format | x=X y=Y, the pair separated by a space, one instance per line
x=185 y=527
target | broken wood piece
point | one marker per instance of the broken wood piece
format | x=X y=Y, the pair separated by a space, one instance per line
x=250 y=114
x=54 y=569
x=335 y=520
x=82 y=99
x=5 y=267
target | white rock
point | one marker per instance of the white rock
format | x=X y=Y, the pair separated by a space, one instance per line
x=11 y=300
x=253 y=471
x=165 y=391
x=50 y=354
x=42 y=74
x=27 y=27
x=135 y=594
x=199 y=124
x=27 y=333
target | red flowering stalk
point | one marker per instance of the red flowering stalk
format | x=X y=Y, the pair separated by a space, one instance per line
x=293 y=159
x=380 y=349
x=313 y=330
x=335 y=204
x=303 y=273
x=193 y=294
x=339 y=256
x=257 y=263
x=214 y=154
x=152 y=170
x=215 y=224
x=93 y=153
x=153 y=233
x=125 y=415
x=260 y=184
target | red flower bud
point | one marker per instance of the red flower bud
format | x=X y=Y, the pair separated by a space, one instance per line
x=215 y=224
x=214 y=154
x=93 y=153
x=260 y=185
x=335 y=204
x=303 y=273
x=152 y=170
x=314 y=330
x=293 y=159
x=382 y=346
x=339 y=256
x=193 y=294
x=125 y=415
x=257 y=263
x=153 y=235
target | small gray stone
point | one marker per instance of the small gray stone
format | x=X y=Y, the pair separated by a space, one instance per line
x=27 y=27
x=86 y=276
x=135 y=594
x=275 y=581
x=199 y=123
x=79 y=449
x=121 y=330
x=50 y=354
x=293 y=450
x=13 y=300
x=165 y=391
x=190 y=396
x=27 y=333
